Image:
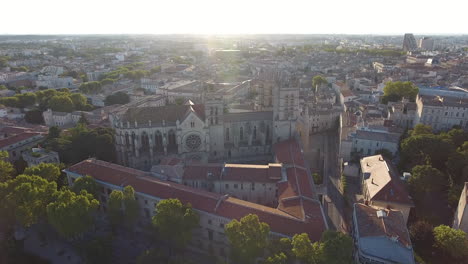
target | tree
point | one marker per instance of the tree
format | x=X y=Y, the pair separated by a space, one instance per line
x=248 y=238
x=61 y=103
x=421 y=129
x=132 y=210
x=318 y=81
x=34 y=117
x=422 y=236
x=6 y=168
x=304 y=250
x=395 y=91
x=2 y=87
x=25 y=198
x=9 y=101
x=86 y=183
x=279 y=258
x=336 y=247
x=72 y=214
x=98 y=250
x=385 y=153
x=115 y=212
x=83 y=120
x=153 y=256
x=26 y=99
x=282 y=245
x=117 y=98
x=451 y=241
x=48 y=171
x=79 y=101
x=54 y=132
x=426 y=179
x=175 y=221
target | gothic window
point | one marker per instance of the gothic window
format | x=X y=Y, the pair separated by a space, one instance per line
x=255 y=132
x=172 y=138
x=211 y=120
x=241 y=133
x=144 y=142
x=211 y=110
x=216 y=111
x=158 y=141
x=127 y=139
x=227 y=134
x=193 y=142
x=216 y=119
x=267 y=133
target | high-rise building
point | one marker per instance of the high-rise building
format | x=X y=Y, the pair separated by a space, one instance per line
x=409 y=42
x=426 y=43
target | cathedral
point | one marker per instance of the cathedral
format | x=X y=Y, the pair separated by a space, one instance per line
x=203 y=132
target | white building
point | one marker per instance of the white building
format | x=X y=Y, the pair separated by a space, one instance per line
x=442 y=113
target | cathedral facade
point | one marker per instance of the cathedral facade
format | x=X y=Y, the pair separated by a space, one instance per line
x=203 y=132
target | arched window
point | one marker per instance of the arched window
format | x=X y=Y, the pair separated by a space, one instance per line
x=144 y=142
x=227 y=134
x=255 y=133
x=241 y=133
x=267 y=133
x=211 y=110
x=158 y=142
x=127 y=139
x=216 y=111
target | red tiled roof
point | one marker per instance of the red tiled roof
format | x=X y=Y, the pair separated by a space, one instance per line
x=232 y=208
x=10 y=130
x=289 y=152
x=16 y=138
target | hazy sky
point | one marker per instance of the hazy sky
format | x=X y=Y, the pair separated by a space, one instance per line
x=233 y=16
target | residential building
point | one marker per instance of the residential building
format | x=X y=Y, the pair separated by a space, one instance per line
x=442 y=113
x=366 y=141
x=296 y=208
x=382 y=186
x=426 y=43
x=39 y=155
x=17 y=144
x=380 y=236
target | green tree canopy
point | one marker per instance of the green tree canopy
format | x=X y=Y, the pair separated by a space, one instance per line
x=132 y=209
x=86 y=183
x=426 y=179
x=279 y=258
x=337 y=248
x=421 y=129
x=48 y=171
x=26 y=99
x=395 y=91
x=25 y=198
x=79 y=101
x=61 y=103
x=115 y=211
x=117 y=98
x=452 y=241
x=34 y=117
x=318 y=81
x=304 y=250
x=72 y=214
x=422 y=236
x=6 y=168
x=248 y=238
x=175 y=221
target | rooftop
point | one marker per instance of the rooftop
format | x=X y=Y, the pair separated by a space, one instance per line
x=280 y=221
x=382 y=181
x=383 y=234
